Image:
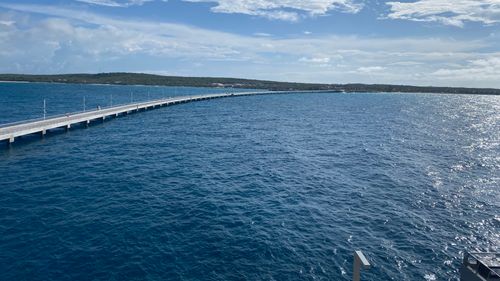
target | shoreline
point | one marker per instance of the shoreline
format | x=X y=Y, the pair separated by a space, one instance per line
x=241 y=90
x=150 y=80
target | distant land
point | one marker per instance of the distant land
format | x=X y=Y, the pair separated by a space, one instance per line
x=122 y=78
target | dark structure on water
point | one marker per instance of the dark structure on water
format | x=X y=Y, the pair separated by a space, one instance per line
x=480 y=267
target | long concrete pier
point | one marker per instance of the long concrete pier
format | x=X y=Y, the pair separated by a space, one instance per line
x=9 y=132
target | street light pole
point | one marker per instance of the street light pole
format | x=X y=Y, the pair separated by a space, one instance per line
x=44 y=109
x=84 y=109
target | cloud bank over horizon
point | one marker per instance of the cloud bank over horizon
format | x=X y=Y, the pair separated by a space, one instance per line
x=43 y=39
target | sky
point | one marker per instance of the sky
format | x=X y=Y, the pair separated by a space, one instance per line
x=413 y=42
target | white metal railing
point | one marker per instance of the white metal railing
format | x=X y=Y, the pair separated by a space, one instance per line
x=360 y=262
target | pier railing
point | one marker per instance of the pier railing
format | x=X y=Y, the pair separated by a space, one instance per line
x=481 y=266
x=4 y=125
x=11 y=131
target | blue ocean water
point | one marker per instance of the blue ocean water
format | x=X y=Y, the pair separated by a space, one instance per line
x=278 y=187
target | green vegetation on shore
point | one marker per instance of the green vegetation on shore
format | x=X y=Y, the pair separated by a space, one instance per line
x=150 y=79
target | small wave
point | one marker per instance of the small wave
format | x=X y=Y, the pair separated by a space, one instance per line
x=430 y=277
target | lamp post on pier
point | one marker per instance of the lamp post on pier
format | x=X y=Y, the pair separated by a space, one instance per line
x=44 y=109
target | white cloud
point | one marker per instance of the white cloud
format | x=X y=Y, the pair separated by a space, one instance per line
x=447 y=12
x=60 y=40
x=370 y=69
x=315 y=60
x=115 y=3
x=288 y=10
x=262 y=34
x=488 y=67
x=7 y=22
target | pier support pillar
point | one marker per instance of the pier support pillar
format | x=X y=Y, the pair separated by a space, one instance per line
x=43 y=132
x=116 y=115
x=11 y=139
x=87 y=123
x=68 y=127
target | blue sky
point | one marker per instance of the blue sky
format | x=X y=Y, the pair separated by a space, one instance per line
x=419 y=42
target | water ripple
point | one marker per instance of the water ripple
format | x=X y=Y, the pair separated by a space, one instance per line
x=253 y=188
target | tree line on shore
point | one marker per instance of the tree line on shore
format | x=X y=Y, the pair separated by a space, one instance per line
x=122 y=78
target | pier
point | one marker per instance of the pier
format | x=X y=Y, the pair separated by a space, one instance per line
x=9 y=132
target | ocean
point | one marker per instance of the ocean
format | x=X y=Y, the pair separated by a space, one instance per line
x=275 y=187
